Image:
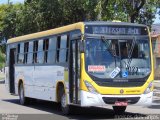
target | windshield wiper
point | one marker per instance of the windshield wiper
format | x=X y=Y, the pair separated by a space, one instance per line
x=131 y=51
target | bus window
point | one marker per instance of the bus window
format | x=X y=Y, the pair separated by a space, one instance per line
x=40 y=53
x=26 y=47
x=35 y=49
x=20 y=55
x=63 y=49
x=52 y=50
x=63 y=42
x=52 y=43
x=30 y=53
x=45 y=48
x=58 y=47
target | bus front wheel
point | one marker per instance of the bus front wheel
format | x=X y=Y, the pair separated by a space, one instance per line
x=119 y=109
x=64 y=106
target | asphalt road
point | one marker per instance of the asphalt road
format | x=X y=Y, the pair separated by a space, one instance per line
x=43 y=110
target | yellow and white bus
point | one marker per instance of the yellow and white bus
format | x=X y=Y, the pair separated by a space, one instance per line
x=87 y=64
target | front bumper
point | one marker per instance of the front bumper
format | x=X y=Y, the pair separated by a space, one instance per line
x=89 y=99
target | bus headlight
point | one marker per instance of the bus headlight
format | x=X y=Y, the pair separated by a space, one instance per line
x=90 y=87
x=149 y=88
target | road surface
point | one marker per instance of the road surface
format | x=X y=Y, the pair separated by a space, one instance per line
x=43 y=110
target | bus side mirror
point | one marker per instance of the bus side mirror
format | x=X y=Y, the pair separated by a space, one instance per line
x=81 y=46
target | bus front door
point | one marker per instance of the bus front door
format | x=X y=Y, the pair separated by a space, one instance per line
x=12 y=71
x=74 y=68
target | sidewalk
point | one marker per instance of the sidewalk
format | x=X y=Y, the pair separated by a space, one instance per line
x=156 y=84
x=2 y=76
x=156 y=91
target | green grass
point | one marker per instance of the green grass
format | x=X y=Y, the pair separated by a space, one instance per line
x=2 y=76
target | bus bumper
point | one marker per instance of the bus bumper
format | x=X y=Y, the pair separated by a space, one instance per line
x=89 y=99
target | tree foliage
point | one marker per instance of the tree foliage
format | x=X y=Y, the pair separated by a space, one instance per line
x=2 y=60
x=39 y=15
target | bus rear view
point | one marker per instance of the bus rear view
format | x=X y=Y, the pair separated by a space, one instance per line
x=118 y=66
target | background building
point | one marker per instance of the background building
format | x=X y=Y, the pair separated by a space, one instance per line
x=155 y=34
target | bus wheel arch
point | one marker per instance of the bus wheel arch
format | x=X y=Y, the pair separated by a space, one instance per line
x=21 y=92
x=19 y=83
x=62 y=98
x=59 y=91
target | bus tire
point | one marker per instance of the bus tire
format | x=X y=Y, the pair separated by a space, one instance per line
x=66 y=110
x=22 y=99
x=119 y=109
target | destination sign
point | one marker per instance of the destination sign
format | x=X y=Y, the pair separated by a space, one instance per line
x=116 y=30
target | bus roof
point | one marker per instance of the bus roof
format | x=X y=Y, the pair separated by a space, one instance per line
x=67 y=28
x=46 y=33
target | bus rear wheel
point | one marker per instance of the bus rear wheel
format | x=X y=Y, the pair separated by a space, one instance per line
x=66 y=110
x=23 y=100
x=119 y=109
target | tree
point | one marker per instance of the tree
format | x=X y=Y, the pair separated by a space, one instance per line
x=9 y=19
x=147 y=13
x=78 y=10
x=140 y=11
x=2 y=60
x=38 y=15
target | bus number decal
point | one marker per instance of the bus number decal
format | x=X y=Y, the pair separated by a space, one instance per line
x=132 y=69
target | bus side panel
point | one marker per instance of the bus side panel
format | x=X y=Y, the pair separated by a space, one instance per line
x=25 y=73
x=46 y=79
x=45 y=82
x=40 y=81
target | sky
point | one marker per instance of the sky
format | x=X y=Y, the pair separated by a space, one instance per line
x=156 y=21
x=13 y=1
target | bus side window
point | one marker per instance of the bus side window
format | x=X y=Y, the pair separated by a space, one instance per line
x=20 y=55
x=40 y=52
x=67 y=52
x=18 y=51
x=35 y=49
x=26 y=47
x=45 y=48
x=52 y=50
x=63 y=49
x=58 y=48
x=30 y=53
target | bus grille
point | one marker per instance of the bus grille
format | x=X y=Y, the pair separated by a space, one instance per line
x=130 y=100
x=134 y=82
x=120 y=84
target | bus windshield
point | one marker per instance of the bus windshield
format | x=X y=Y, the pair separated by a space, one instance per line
x=117 y=58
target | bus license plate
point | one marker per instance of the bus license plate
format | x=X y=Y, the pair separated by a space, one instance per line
x=118 y=103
